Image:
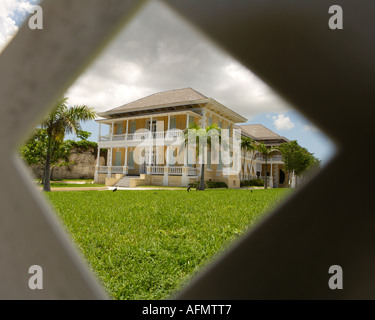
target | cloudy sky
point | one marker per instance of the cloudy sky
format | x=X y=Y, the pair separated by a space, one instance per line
x=159 y=52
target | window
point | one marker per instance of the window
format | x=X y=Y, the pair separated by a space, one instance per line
x=172 y=154
x=191 y=120
x=208 y=159
x=118 y=158
x=210 y=121
x=220 y=124
x=131 y=159
x=220 y=164
x=133 y=125
x=119 y=128
x=173 y=123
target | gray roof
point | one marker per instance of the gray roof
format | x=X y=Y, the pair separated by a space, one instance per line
x=260 y=132
x=161 y=99
x=172 y=99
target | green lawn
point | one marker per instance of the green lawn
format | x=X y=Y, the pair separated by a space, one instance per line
x=147 y=244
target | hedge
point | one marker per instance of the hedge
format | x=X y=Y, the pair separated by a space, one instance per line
x=209 y=184
x=252 y=183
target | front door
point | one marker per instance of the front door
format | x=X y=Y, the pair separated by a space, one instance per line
x=151 y=126
x=142 y=166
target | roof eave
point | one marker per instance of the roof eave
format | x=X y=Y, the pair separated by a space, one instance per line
x=237 y=118
x=158 y=106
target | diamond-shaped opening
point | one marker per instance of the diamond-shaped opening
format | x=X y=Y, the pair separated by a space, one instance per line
x=147 y=244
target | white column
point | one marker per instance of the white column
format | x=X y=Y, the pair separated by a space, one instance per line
x=271 y=177
x=185 y=170
x=185 y=155
x=96 y=176
x=98 y=158
x=109 y=162
x=151 y=144
x=108 y=155
x=204 y=120
x=187 y=120
x=112 y=130
x=126 y=156
x=169 y=125
x=125 y=168
x=166 y=169
x=100 y=131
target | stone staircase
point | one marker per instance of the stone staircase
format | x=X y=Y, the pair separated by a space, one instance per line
x=124 y=182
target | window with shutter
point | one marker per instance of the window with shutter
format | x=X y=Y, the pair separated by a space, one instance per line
x=173 y=123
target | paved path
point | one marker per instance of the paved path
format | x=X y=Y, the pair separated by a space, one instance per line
x=105 y=188
x=75 y=188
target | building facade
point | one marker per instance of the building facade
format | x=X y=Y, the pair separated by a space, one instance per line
x=146 y=143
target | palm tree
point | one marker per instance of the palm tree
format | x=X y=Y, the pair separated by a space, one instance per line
x=247 y=144
x=262 y=148
x=206 y=138
x=60 y=121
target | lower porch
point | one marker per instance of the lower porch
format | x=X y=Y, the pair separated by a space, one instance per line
x=154 y=175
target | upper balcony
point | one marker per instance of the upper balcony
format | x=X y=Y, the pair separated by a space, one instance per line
x=274 y=157
x=139 y=136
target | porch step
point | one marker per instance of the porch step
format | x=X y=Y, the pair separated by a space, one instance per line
x=124 y=182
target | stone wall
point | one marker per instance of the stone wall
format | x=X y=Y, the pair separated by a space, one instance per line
x=84 y=167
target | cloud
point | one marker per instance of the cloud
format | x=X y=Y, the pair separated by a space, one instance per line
x=12 y=14
x=309 y=127
x=281 y=122
x=159 y=52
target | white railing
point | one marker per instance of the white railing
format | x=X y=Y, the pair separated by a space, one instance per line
x=137 y=136
x=117 y=169
x=158 y=135
x=117 y=137
x=102 y=169
x=276 y=158
x=248 y=177
x=105 y=138
x=171 y=134
x=175 y=171
x=157 y=170
x=192 y=171
x=270 y=158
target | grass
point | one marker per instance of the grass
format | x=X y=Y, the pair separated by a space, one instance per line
x=146 y=245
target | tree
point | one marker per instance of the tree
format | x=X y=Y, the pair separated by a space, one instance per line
x=247 y=145
x=265 y=151
x=297 y=159
x=62 y=120
x=34 y=151
x=203 y=139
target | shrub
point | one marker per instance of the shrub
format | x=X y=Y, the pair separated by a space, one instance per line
x=252 y=183
x=216 y=184
x=209 y=184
